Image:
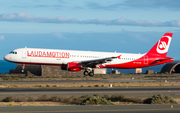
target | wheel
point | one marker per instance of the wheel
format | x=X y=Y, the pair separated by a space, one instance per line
x=86 y=73
x=91 y=74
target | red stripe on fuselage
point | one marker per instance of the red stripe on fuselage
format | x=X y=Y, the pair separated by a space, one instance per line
x=128 y=65
x=140 y=63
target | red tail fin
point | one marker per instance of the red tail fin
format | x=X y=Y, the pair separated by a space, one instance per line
x=160 y=49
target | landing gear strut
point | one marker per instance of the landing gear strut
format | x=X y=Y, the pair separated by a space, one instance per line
x=88 y=72
x=23 y=67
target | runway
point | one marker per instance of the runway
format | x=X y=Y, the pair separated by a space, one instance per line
x=94 y=89
x=129 y=91
x=132 y=91
x=93 y=109
x=91 y=81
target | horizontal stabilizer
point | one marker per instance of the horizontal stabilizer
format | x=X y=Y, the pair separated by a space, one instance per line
x=158 y=60
x=161 y=60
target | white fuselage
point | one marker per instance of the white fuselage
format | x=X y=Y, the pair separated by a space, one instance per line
x=59 y=57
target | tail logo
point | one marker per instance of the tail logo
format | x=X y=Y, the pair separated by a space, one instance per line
x=163 y=44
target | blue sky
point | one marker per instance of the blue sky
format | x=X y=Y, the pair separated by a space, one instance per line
x=130 y=26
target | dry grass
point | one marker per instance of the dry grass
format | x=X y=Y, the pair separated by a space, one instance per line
x=117 y=84
x=130 y=103
x=96 y=99
x=47 y=103
x=31 y=104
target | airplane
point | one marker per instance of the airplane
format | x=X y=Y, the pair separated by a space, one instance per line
x=72 y=60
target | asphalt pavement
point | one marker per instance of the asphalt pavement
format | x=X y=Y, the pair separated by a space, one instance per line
x=173 y=91
x=93 y=109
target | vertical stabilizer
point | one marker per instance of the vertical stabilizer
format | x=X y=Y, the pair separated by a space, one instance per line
x=160 y=49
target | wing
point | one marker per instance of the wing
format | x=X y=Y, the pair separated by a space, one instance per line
x=93 y=63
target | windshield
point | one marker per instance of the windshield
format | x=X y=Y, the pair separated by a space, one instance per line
x=13 y=52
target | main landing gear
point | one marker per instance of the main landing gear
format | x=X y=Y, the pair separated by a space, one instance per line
x=88 y=72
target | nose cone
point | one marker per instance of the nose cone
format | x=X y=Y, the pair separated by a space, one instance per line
x=7 y=58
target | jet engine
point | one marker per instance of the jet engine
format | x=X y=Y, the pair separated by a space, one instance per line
x=71 y=66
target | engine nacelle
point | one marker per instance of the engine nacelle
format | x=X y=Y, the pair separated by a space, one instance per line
x=71 y=66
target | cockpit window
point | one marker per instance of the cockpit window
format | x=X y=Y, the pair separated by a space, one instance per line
x=13 y=52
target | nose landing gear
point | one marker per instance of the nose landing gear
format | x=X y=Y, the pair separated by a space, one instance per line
x=23 y=67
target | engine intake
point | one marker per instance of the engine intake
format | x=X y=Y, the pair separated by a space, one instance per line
x=64 y=67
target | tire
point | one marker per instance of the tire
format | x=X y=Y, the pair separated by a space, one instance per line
x=86 y=73
x=91 y=74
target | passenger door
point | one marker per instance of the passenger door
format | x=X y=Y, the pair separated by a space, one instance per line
x=24 y=53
